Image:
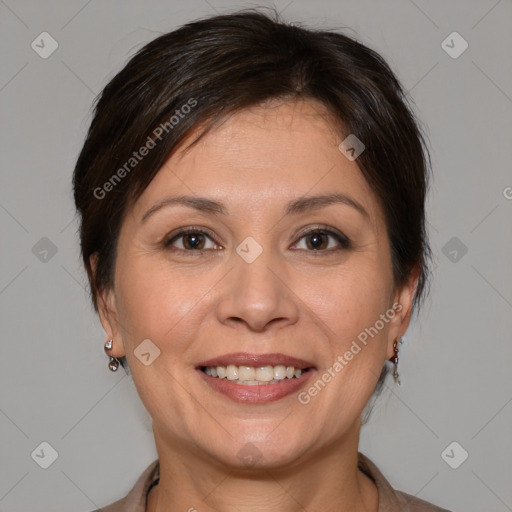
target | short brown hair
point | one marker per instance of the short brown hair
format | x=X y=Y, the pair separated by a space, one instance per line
x=226 y=63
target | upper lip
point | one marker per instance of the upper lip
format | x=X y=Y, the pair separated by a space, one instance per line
x=257 y=360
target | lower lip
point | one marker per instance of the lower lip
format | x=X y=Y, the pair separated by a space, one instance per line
x=259 y=394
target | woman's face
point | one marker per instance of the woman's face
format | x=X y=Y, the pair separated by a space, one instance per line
x=251 y=289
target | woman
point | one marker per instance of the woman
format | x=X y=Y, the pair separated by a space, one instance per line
x=253 y=228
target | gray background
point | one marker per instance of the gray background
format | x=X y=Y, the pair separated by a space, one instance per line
x=456 y=363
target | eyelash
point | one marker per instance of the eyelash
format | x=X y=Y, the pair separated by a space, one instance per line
x=343 y=241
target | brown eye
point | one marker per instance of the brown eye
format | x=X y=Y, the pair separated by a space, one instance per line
x=193 y=241
x=190 y=240
x=319 y=240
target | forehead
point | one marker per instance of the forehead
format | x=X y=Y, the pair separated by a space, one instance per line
x=276 y=132
x=272 y=152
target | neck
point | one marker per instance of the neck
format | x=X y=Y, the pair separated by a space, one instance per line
x=329 y=481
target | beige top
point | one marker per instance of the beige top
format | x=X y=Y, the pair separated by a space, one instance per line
x=390 y=500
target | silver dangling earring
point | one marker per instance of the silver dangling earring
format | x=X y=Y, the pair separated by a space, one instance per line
x=394 y=359
x=113 y=363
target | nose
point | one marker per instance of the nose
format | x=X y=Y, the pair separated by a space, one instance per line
x=258 y=295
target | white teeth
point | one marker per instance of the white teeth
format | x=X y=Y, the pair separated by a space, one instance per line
x=246 y=373
x=251 y=376
x=232 y=372
x=265 y=373
x=279 y=372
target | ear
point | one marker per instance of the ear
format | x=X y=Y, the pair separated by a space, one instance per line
x=107 y=312
x=402 y=305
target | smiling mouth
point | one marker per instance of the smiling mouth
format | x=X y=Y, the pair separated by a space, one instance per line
x=254 y=375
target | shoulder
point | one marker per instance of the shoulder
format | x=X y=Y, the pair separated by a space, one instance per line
x=391 y=499
x=117 y=506
x=135 y=500
x=414 y=504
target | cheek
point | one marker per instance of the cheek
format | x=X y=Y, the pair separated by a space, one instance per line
x=351 y=305
x=153 y=306
x=350 y=300
x=157 y=304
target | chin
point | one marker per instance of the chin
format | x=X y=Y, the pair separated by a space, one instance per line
x=248 y=451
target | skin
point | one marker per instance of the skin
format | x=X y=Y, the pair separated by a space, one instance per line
x=291 y=299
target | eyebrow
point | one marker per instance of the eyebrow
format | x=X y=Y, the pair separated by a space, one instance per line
x=294 y=207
